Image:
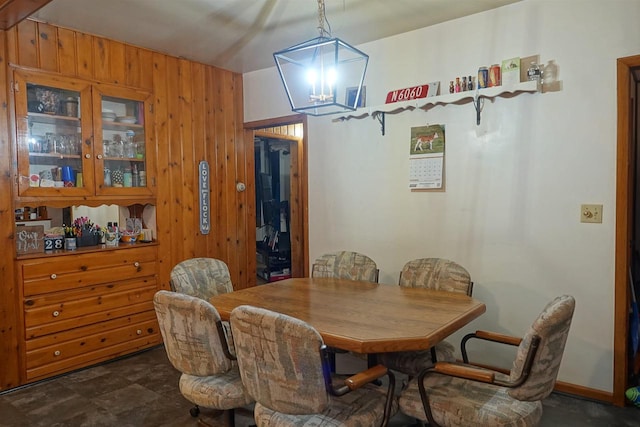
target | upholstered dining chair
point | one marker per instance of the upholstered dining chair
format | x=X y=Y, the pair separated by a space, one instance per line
x=348 y=265
x=284 y=366
x=203 y=278
x=461 y=394
x=196 y=346
x=432 y=273
x=345 y=265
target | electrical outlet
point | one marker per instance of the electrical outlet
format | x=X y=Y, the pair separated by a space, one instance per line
x=591 y=213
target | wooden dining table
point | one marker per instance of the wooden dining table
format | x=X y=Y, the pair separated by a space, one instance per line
x=361 y=316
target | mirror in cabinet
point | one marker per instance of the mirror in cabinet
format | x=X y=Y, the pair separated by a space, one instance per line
x=89 y=227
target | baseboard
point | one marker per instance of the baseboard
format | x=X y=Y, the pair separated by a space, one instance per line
x=586 y=392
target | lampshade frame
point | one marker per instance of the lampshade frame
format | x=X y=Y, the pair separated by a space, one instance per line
x=350 y=65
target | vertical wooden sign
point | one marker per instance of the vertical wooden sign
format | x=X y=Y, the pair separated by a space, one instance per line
x=205 y=212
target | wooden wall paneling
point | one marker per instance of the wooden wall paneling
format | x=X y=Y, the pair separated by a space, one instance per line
x=117 y=64
x=217 y=127
x=244 y=162
x=146 y=73
x=226 y=128
x=163 y=201
x=189 y=218
x=47 y=47
x=175 y=161
x=27 y=53
x=133 y=66
x=84 y=55
x=200 y=149
x=9 y=301
x=67 y=59
x=101 y=68
x=11 y=45
x=249 y=213
x=215 y=237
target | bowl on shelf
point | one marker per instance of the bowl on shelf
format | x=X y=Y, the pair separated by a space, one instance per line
x=126 y=119
x=128 y=237
x=108 y=115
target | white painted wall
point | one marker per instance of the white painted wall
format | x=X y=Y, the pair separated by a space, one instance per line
x=514 y=185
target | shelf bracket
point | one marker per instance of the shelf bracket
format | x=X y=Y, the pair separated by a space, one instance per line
x=380 y=117
x=478 y=104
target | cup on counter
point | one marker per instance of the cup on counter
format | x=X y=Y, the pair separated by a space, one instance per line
x=147 y=235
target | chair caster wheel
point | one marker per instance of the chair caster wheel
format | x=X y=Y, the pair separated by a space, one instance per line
x=195 y=411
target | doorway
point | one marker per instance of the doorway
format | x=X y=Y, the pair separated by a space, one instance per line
x=625 y=364
x=278 y=147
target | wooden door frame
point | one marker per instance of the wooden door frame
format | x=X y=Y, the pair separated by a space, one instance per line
x=299 y=208
x=624 y=187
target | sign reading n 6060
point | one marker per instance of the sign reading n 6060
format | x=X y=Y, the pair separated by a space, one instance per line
x=407 y=94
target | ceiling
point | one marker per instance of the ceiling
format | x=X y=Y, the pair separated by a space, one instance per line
x=241 y=35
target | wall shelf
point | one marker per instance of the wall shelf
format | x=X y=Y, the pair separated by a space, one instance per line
x=476 y=97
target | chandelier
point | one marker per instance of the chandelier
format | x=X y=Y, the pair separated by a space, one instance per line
x=323 y=75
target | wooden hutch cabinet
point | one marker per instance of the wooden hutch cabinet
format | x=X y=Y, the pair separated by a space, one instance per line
x=83 y=143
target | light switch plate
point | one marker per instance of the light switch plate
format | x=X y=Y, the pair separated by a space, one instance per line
x=591 y=213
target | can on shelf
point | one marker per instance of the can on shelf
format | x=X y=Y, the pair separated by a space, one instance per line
x=494 y=76
x=483 y=77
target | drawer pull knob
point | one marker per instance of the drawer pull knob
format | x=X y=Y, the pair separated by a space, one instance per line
x=139 y=332
x=136 y=264
x=54 y=276
x=56 y=353
x=56 y=313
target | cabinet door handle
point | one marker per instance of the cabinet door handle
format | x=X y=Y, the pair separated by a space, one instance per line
x=56 y=313
x=99 y=156
x=87 y=156
x=54 y=276
x=139 y=332
x=136 y=264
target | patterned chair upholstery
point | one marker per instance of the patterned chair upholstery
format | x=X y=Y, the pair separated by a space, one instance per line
x=432 y=273
x=345 y=265
x=203 y=278
x=284 y=367
x=459 y=394
x=196 y=346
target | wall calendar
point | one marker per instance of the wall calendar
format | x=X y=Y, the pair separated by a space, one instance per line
x=426 y=158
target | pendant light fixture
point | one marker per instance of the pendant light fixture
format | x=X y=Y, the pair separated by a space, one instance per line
x=323 y=75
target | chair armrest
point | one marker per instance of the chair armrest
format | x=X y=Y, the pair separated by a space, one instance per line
x=464 y=371
x=361 y=378
x=487 y=336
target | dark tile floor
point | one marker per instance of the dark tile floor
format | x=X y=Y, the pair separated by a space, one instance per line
x=142 y=390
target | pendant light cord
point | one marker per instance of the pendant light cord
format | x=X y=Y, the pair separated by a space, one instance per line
x=322 y=20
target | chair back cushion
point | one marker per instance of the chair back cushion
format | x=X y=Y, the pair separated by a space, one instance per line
x=201 y=277
x=345 y=265
x=552 y=326
x=436 y=273
x=191 y=338
x=279 y=360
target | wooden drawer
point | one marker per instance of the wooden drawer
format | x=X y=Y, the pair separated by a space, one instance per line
x=52 y=274
x=50 y=313
x=84 y=346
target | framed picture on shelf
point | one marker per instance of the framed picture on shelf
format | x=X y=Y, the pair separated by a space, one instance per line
x=350 y=98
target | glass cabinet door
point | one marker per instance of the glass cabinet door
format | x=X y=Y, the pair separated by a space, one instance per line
x=121 y=141
x=53 y=123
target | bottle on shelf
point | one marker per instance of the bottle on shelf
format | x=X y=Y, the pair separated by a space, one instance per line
x=128 y=177
x=464 y=84
x=470 y=83
x=130 y=147
x=457 y=87
x=451 y=88
x=135 y=179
